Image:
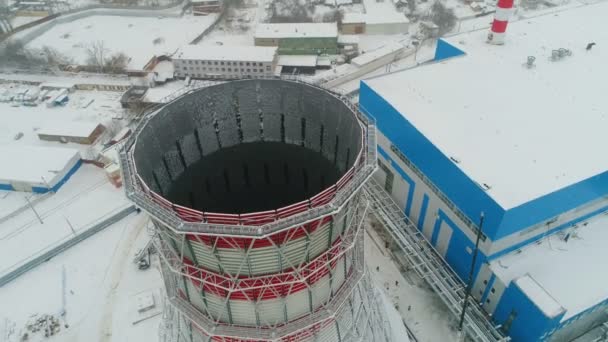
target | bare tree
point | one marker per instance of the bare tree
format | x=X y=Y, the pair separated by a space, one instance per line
x=290 y=11
x=443 y=17
x=97 y=54
x=117 y=62
x=333 y=16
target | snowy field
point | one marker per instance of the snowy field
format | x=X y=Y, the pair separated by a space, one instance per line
x=147 y=36
x=83 y=106
x=23 y=236
x=101 y=282
x=422 y=310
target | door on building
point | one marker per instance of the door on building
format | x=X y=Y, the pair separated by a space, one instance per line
x=443 y=240
x=389 y=177
x=507 y=325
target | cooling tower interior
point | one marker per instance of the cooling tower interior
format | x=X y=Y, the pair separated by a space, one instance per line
x=247 y=146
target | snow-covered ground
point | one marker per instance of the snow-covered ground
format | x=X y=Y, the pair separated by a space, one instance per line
x=22 y=20
x=83 y=106
x=87 y=198
x=422 y=310
x=101 y=282
x=147 y=36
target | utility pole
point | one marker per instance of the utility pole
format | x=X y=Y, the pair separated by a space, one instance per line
x=34 y=210
x=70 y=224
x=471 y=270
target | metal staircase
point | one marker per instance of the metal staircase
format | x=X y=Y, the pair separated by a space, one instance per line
x=430 y=266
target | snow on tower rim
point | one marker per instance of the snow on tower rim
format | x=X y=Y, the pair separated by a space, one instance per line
x=265 y=222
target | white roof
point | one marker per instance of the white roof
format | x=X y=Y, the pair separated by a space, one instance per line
x=227 y=52
x=539 y=296
x=382 y=12
x=348 y=39
x=569 y=272
x=353 y=18
x=298 y=60
x=524 y=132
x=378 y=53
x=299 y=30
x=69 y=129
x=32 y=164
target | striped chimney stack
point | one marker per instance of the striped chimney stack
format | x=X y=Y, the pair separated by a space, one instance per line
x=501 y=19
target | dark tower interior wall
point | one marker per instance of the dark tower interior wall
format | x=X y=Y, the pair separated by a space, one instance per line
x=247 y=146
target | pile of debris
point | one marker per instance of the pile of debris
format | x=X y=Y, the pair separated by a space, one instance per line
x=48 y=325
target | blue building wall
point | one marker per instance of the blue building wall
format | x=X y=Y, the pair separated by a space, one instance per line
x=465 y=193
x=6 y=187
x=530 y=323
x=444 y=50
x=54 y=188
x=548 y=206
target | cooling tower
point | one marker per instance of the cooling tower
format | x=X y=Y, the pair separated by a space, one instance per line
x=253 y=187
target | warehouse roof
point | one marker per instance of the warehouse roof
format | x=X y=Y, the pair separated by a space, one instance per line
x=299 y=30
x=69 y=129
x=33 y=164
x=227 y=52
x=298 y=60
x=525 y=132
x=562 y=267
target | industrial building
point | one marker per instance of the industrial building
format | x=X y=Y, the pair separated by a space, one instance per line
x=209 y=61
x=36 y=169
x=374 y=23
x=75 y=132
x=299 y=38
x=257 y=205
x=507 y=144
x=206 y=7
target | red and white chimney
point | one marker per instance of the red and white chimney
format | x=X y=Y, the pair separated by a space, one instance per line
x=504 y=8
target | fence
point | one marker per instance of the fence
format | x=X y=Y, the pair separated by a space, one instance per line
x=18 y=270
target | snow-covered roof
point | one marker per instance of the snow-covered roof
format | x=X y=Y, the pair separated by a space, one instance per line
x=69 y=129
x=227 y=53
x=34 y=164
x=353 y=18
x=299 y=30
x=348 y=39
x=570 y=272
x=298 y=60
x=525 y=132
x=382 y=12
x=539 y=296
x=378 y=53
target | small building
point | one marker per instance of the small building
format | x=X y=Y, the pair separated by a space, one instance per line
x=348 y=45
x=75 y=132
x=299 y=38
x=205 y=7
x=133 y=97
x=36 y=169
x=353 y=23
x=298 y=64
x=70 y=87
x=389 y=22
x=380 y=24
x=212 y=61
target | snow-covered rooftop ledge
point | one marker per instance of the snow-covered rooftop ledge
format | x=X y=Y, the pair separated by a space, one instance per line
x=568 y=266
